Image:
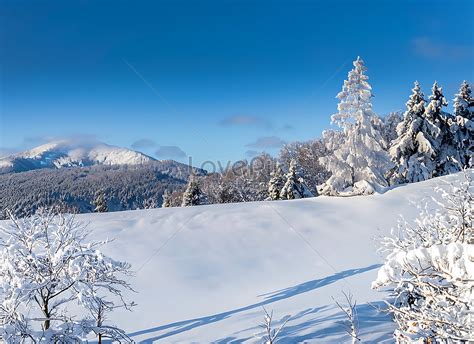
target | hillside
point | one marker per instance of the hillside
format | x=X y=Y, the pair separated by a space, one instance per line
x=125 y=186
x=204 y=273
x=71 y=153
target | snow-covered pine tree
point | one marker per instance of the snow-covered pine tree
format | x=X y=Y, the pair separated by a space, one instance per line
x=166 y=200
x=415 y=149
x=276 y=183
x=193 y=194
x=448 y=157
x=429 y=269
x=359 y=162
x=464 y=117
x=294 y=186
x=389 y=131
x=463 y=102
x=100 y=203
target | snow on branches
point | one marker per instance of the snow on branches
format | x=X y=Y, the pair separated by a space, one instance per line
x=430 y=270
x=294 y=187
x=47 y=267
x=359 y=161
x=193 y=194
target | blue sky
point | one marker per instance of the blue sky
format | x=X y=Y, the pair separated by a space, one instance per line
x=215 y=80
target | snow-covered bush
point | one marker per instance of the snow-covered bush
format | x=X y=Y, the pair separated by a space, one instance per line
x=429 y=268
x=48 y=268
x=359 y=162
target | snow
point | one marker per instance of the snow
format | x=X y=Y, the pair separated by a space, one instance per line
x=203 y=273
x=67 y=153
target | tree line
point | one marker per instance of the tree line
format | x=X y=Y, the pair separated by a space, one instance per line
x=365 y=155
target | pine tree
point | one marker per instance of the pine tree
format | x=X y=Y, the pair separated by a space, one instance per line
x=414 y=150
x=166 y=200
x=359 y=162
x=448 y=157
x=193 y=194
x=276 y=183
x=464 y=120
x=463 y=102
x=389 y=131
x=294 y=186
x=100 y=203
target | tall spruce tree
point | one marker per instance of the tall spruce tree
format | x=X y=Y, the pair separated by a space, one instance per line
x=463 y=102
x=448 y=157
x=359 y=162
x=294 y=186
x=415 y=149
x=463 y=105
x=276 y=183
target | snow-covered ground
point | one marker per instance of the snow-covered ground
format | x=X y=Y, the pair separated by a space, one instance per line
x=204 y=273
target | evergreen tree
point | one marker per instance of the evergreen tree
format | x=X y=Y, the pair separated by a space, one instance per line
x=414 y=150
x=359 y=162
x=463 y=102
x=464 y=116
x=448 y=157
x=294 y=186
x=100 y=203
x=276 y=183
x=166 y=200
x=389 y=131
x=193 y=194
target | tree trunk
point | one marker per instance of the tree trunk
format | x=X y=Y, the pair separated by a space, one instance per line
x=47 y=322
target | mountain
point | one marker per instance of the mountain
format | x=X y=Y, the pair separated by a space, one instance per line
x=71 y=153
x=69 y=174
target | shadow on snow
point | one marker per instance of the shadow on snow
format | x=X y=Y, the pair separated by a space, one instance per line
x=186 y=325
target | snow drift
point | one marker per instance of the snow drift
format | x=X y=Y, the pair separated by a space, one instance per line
x=202 y=274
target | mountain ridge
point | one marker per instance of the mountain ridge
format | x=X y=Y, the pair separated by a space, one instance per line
x=71 y=153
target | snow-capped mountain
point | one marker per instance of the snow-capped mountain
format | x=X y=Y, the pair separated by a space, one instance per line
x=66 y=153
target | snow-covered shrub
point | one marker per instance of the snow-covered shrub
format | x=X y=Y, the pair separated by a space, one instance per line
x=49 y=267
x=359 y=162
x=429 y=268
